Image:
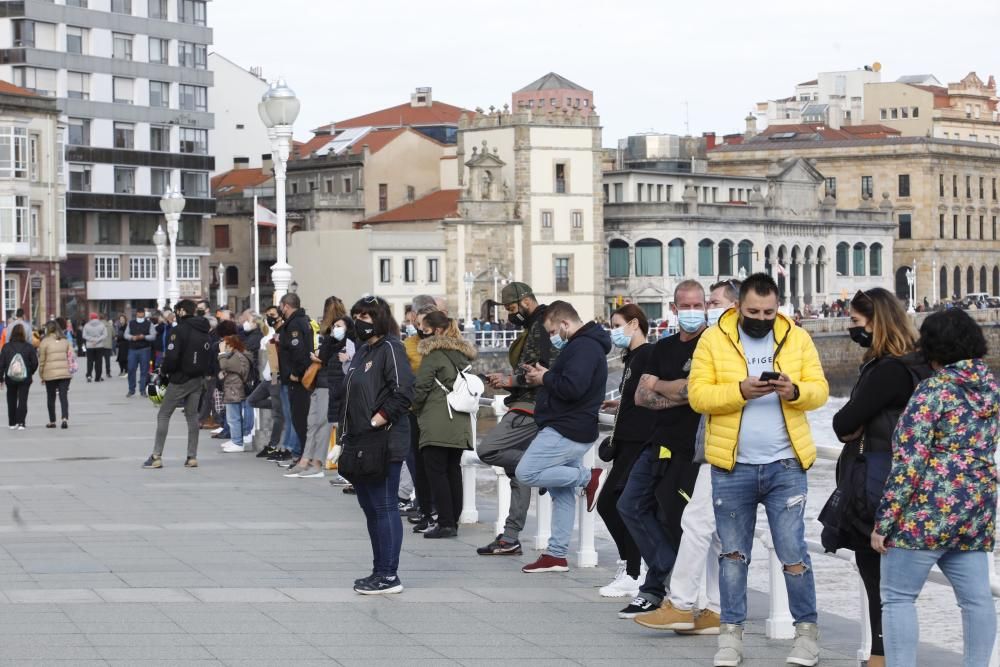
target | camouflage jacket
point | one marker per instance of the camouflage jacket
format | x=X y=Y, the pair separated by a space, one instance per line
x=531 y=347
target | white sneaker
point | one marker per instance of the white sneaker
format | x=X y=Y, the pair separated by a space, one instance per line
x=13 y=428
x=312 y=473
x=217 y=431
x=21 y=427
x=233 y=448
x=622 y=585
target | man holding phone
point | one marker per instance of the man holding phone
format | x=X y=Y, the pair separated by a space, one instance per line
x=755 y=376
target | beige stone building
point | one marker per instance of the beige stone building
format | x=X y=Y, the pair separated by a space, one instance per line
x=943 y=196
x=966 y=110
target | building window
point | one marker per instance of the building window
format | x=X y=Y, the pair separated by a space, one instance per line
x=941 y=225
x=14 y=220
x=577 y=219
x=410 y=193
x=158 y=9
x=158 y=51
x=106 y=267
x=36 y=79
x=867 y=187
x=968 y=187
x=76 y=40
x=994 y=181
x=638 y=192
x=194 y=183
x=561 y=271
x=124 y=135
x=34 y=156
x=192 y=55
x=78 y=85
x=76 y=227
x=968 y=226
x=982 y=227
x=383 y=196
x=607 y=193
x=904 y=185
x=675 y=258
x=193 y=98
x=121 y=46
x=141 y=228
x=328 y=186
x=432 y=270
x=79 y=178
x=618 y=259
x=188 y=268
x=648 y=258
x=941 y=185
x=191 y=11
x=619 y=192
x=194 y=141
x=123 y=90
x=883 y=114
x=159 y=138
x=546 y=219
x=982 y=188
x=124 y=180
x=222 y=237
x=109 y=229
x=409 y=270
x=954 y=226
x=347 y=184
x=561 y=171
x=78 y=131
x=24 y=33
x=904 y=226
x=915 y=112
x=843 y=264
x=994 y=228
x=13 y=152
x=159 y=181
x=142 y=268
x=121 y=6
x=831 y=188
x=385 y=270
x=232 y=276
x=859 y=259
x=159 y=94
x=706 y=257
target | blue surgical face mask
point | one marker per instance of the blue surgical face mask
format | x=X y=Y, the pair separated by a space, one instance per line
x=690 y=320
x=714 y=314
x=140 y=320
x=619 y=338
x=339 y=333
x=557 y=341
x=411 y=330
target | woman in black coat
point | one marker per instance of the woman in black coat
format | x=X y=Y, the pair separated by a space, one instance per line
x=17 y=377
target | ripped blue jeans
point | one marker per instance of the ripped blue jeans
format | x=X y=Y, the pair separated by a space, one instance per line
x=781 y=488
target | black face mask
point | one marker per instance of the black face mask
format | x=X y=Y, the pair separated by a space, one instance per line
x=756 y=328
x=423 y=334
x=518 y=319
x=200 y=312
x=363 y=330
x=860 y=336
x=271 y=320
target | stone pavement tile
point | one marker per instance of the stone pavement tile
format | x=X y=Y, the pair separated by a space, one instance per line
x=261 y=639
x=116 y=611
x=241 y=662
x=125 y=527
x=144 y=653
x=49 y=640
x=86 y=580
x=65 y=566
x=44 y=651
x=33 y=629
x=238 y=594
x=144 y=595
x=543 y=662
x=402 y=653
x=20 y=662
x=422 y=595
x=433 y=662
x=196 y=526
x=290 y=654
x=584 y=650
x=163 y=640
x=517 y=653
x=55 y=596
x=164 y=579
x=521 y=595
x=493 y=640
x=162 y=663
x=322 y=594
x=118 y=564
x=136 y=628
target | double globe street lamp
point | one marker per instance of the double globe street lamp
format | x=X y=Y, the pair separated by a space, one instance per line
x=278 y=109
x=172 y=205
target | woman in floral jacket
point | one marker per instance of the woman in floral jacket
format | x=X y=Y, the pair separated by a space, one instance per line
x=939 y=502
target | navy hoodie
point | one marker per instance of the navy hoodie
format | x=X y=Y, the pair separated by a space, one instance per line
x=575 y=386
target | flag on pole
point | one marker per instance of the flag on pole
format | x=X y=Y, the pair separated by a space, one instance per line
x=265 y=216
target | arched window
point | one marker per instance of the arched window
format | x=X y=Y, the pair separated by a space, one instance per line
x=859 y=259
x=875 y=259
x=996 y=281
x=649 y=258
x=982 y=279
x=705 y=267
x=843 y=267
x=618 y=259
x=232 y=276
x=970 y=280
x=820 y=267
x=675 y=257
x=725 y=258
x=745 y=259
x=958 y=282
x=943 y=289
x=902 y=284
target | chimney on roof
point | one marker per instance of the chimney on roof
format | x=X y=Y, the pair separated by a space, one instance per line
x=709 y=140
x=751 y=126
x=421 y=97
x=240 y=163
x=266 y=163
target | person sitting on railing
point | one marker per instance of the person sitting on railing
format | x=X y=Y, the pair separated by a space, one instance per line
x=756 y=375
x=506 y=443
x=663 y=476
x=698 y=554
x=570 y=399
x=890 y=373
x=939 y=503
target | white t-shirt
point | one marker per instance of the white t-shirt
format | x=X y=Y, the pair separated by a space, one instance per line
x=763 y=434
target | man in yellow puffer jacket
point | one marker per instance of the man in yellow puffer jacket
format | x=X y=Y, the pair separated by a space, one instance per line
x=758 y=441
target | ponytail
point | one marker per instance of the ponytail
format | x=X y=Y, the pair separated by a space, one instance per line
x=438 y=320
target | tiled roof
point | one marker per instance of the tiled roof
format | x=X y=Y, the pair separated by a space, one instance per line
x=811 y=82
x=551 y=81
x=817 y=132
x=437 y=205
x=854 y=142
x=941 y=99
x=403 y=115
x=376 y=140
x=11 y=89
x=236 y=180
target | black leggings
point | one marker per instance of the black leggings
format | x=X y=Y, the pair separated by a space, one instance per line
x=607 y=505
x=421 y=485
x=52 y=387
x=17 y=402
x=443 y=466
x=869 y=567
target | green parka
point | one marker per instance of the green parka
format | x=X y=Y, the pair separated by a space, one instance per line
x=443 y=357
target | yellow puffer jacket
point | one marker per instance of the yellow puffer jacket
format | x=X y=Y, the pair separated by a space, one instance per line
x=719 y=366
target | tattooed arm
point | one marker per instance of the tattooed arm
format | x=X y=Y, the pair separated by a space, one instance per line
x=655 y=394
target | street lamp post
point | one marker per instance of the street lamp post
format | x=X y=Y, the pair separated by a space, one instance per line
x=222 y=296
x=911 y=281
x=160 y=241
x=470 y=280
x=496 y=290
x=934 y=279
x=278 y=109
x=172 y=204
x=3 y=289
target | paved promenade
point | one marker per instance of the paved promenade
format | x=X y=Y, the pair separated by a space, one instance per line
x=103 y=563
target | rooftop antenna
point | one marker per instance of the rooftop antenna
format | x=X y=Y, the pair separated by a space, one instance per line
x=687 y=118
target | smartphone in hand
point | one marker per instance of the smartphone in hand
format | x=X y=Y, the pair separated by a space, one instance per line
x=769 y=376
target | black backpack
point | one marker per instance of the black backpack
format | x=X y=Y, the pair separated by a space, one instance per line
x=196 y=357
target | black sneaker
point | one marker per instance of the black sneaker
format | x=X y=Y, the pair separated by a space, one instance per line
x=264 y=453
x=500 y=547
x=405 y=506
x=438 y=532
x=379 y=585
x=639 y=605
x=349 y=490
x=425 y=524
x=153 y=462
x=365 y=580
x=417 y=519
x=276 y=455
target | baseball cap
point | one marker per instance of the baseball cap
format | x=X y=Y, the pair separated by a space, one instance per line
x=514 y=292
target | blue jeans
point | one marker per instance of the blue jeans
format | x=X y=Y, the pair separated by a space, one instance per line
x=378 y=500
x=138 y=359
x=904 y=572
x=235 y=422
x=637 y=507
x=290 y=440
x=556 y=463
x=781 y=487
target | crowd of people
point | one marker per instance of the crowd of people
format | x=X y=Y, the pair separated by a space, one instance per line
x=710 y=427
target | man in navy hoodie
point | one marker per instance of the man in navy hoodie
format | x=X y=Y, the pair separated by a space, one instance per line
x=566 y=413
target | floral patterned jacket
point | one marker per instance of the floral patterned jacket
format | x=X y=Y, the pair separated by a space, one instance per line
x=941 y=490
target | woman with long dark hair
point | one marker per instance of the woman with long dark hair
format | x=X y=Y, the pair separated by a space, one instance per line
x=375 y=436
x=18 y=362
x=889 y=374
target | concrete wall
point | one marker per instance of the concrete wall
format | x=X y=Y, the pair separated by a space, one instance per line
x=238 y=131
x=411 y=159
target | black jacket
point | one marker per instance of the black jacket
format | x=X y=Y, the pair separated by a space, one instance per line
x=177 y=349
x=574 y=388
x=332 y=374
x=379 y=381
x=295 y=344
x=632 y=423
x=252 y=343
x=27 y=352
x=531 y=347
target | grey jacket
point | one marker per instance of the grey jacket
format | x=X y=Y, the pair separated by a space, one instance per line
x=96 y=335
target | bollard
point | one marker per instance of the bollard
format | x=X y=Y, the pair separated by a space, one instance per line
x=587 y=555
x=780 y=624
x=470 y=463
x=503 y=499
x=543 y=518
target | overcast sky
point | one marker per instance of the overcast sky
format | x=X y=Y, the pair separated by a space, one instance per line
x=642 y=58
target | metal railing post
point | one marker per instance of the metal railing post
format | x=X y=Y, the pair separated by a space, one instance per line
x=470 y=463
x=543 y=518
x=865 y=649
x=587 y=555
x=780 y=624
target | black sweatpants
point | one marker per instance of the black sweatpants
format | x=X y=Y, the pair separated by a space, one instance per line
x=607 y=504
x=443 y=466
x=17 y=402
x=870 y=568
x=421 y=486
x=298 y=398
x=95 y=360
x=60 y=387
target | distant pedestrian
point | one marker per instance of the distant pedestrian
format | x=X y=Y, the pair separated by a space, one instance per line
x=95 y=334
x=295 y=345
x=121 y=337
x=54 y=371
x=234 y=364
x=140 y=334
x=18 y=363
x=112 y=343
